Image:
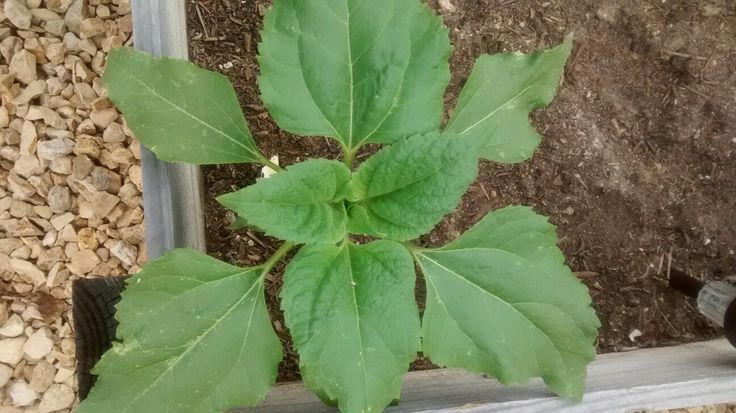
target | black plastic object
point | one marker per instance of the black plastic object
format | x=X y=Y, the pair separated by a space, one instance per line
x=685 y=284
x=93 y=307
x=692 y=287
x=730 y=324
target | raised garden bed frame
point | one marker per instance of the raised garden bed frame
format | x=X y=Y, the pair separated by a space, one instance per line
x=687 y=375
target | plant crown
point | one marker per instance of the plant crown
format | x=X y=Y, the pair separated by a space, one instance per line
x=195 y=332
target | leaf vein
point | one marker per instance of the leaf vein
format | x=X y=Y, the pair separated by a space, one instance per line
x=196 y=341
x=510 y=305
x=191 y=115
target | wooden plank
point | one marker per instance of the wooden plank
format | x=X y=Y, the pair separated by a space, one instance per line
x=172 y=193
x=688 y=375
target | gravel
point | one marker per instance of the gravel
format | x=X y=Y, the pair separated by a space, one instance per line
x=70 y=202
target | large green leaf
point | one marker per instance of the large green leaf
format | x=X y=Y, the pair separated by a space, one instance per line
x=180 y=112
x=501 y=301
x=502 y=90
x=196 y=337
x=352 y=314
x=405 y=189
x=356 y=70
x=302 y=204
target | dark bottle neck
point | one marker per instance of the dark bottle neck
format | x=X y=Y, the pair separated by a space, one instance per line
x=730 y=323
x=685 y=284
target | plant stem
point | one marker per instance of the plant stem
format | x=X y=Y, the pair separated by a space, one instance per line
x=277 y=256
x=349 y=157
x=267 y=162
x=412 y=248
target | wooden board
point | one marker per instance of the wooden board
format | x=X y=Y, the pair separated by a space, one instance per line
x=172 y=193
x=703 y=373
x=689 y=375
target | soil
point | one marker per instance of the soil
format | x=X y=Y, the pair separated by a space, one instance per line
x=637 y=167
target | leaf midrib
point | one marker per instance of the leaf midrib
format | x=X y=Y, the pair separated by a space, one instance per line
x=353 y=284
x=191 y=115
x=266 y=202
x=352 y=76
x=498 y=227
x=133 y=288
x=499 y=108
x=242 y=347
x=395 y=99
x=444 y=307
x=200 y=337
x=539 y=77
x=436 y=170
x=456 y=116
x=549 y=339
x=350 y=64
x=486 y=292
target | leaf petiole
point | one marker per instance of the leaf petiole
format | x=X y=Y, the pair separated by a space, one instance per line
x=349 y=157
x=277 y=256
x=413 y=249
x=267 y=162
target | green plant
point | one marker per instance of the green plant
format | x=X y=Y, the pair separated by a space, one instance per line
x=195 y=332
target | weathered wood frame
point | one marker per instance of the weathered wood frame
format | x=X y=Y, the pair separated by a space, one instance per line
x=172 y=195
x=702 y=373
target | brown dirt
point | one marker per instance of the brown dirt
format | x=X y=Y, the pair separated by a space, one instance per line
x=637 y=163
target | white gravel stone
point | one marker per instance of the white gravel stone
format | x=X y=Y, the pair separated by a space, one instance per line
x=124 y=252
x=83 y=261
x=11 y=350
x=5 y=374
x=103 y=203
x=28 y=271
x=21 y=394
x=6 y=269
x=39 y=344
x=13 y=327
x=43 y=376
x=27 y=166
x=18 y=14
x=23 y=65
x=58 y=6
x=58 y=397
x=59 y=199
x=114 y=133
x=63 y=374
x=32 y=91
x=55 y=148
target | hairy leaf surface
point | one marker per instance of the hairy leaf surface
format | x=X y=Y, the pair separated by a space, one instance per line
x=302 y=204
x=196 y=337
x=404 y=190
x=352 y=314
x=180 y=112
x=501 y=301
x=356 y=70
x=502 y=90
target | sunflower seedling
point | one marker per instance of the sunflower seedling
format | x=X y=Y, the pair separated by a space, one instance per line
x=195 y=332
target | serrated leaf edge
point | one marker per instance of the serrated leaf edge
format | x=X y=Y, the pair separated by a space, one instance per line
x=258 y=283
x=567 y=43
x=131 y=76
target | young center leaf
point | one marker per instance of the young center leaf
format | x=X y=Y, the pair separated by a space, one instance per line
x=353 y=316
x=502 y=90
x=180 y=112
x=501 y=301
x=355 y=70
x=196 y=337
x=405 y=189
x=303 y=204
